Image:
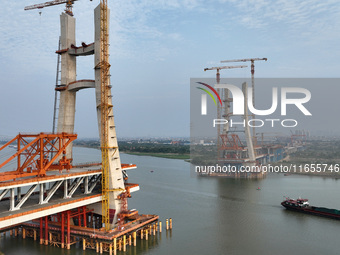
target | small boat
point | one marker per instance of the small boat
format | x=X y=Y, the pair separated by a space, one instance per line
x=258 y=188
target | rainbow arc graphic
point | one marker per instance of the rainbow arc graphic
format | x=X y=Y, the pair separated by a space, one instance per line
x=204 y=97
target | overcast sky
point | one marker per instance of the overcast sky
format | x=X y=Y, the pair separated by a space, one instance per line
x=156 y=47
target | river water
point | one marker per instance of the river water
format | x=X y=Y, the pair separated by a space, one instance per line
x=217 y=215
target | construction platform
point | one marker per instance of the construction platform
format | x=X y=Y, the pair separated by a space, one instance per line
x=59 y=232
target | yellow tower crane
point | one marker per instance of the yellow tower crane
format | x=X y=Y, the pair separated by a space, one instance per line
x=105 y=109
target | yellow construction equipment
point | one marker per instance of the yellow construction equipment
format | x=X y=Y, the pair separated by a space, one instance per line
x=105 y=108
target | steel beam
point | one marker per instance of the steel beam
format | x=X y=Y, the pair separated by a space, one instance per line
x=41 y=193
x=3 y=193
x=11 y=200
x=75 y=186
x=65 y=189
x=25 y=197
x=86 y=185
x=52 y=191
x=95 y=183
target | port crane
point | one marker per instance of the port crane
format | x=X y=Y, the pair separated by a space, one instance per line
x=106 y=104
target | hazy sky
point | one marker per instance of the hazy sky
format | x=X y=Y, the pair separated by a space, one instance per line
x=156 y=47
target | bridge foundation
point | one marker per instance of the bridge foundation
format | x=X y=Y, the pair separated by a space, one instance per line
x=73 y=227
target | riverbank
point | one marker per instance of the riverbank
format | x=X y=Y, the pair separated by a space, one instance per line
x=151 y=154
x=160 y=155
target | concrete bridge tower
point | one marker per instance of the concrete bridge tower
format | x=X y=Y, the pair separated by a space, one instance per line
x=67 y=106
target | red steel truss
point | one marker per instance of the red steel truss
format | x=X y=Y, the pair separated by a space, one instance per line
x=231 y=142
x=33 y=151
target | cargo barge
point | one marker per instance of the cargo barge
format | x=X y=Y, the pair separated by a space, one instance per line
x=302 y=205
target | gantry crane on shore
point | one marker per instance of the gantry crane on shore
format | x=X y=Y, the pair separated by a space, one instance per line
x=105 y=105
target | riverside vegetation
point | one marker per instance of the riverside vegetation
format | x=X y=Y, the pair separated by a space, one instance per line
x=157 y=148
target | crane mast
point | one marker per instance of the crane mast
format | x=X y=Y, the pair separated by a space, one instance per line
x=106 y=107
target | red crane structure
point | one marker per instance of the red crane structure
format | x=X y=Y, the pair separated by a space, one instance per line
x=33 y=152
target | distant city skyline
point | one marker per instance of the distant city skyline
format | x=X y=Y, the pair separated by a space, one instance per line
x=156 y=47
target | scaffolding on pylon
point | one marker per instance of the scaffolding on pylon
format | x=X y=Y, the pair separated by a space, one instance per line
x=105 y=108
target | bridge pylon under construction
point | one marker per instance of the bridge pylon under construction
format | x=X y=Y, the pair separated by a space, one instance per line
x=50 y=197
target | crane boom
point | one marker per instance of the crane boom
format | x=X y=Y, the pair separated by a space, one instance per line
x=243 y=60
x=223 y=67
x=68 y=3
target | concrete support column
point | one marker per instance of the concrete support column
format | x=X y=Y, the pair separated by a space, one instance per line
x=116 y=180
x=251 y=152
x=67 y=105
